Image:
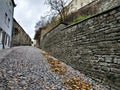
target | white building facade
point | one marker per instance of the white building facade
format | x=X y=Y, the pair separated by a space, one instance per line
x=6 y=22
x=74 y=5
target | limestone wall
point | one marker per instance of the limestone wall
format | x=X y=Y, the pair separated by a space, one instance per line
x=92 y=46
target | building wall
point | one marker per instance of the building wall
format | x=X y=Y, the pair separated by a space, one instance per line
x=95 y=7
x=92 y=46
x=77 y=4
x=6 y=22
x=20 y=37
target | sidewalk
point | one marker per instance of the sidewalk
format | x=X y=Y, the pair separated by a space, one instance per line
x=28 y=68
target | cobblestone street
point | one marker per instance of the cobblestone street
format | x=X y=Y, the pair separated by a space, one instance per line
x=29 y=68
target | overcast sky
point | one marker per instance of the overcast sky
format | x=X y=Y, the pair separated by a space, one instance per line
x=28 y=12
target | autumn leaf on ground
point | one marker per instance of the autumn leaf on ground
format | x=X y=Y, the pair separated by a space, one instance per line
x=45 y=54
x=56 y=66
x=72 y=83
x=77 y=84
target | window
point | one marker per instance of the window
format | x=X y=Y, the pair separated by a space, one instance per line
x=81 y=4
x=6 y=18
x=5 y=39
x=0 y=35
x=8 y=39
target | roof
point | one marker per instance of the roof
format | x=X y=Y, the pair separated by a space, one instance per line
x=13 y=3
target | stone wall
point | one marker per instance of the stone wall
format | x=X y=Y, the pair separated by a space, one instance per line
x=106 y=4
x=19 y=36
x=92 y=46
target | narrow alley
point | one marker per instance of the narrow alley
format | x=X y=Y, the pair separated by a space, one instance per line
x=59 y=44
x=29 y=68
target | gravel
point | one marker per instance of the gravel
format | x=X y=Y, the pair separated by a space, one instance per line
x=27 y=68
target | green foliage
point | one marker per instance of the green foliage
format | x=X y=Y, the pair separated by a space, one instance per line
x=80 y=18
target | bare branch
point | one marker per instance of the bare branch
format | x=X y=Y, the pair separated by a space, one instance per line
x=58 y=6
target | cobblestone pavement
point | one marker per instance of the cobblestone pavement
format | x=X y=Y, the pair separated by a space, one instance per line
x=29 y=68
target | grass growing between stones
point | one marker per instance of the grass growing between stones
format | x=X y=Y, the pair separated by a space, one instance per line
x=70 y=83
x=80 y=18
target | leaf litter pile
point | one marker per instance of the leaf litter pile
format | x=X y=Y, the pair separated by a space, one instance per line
x=72 y=82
